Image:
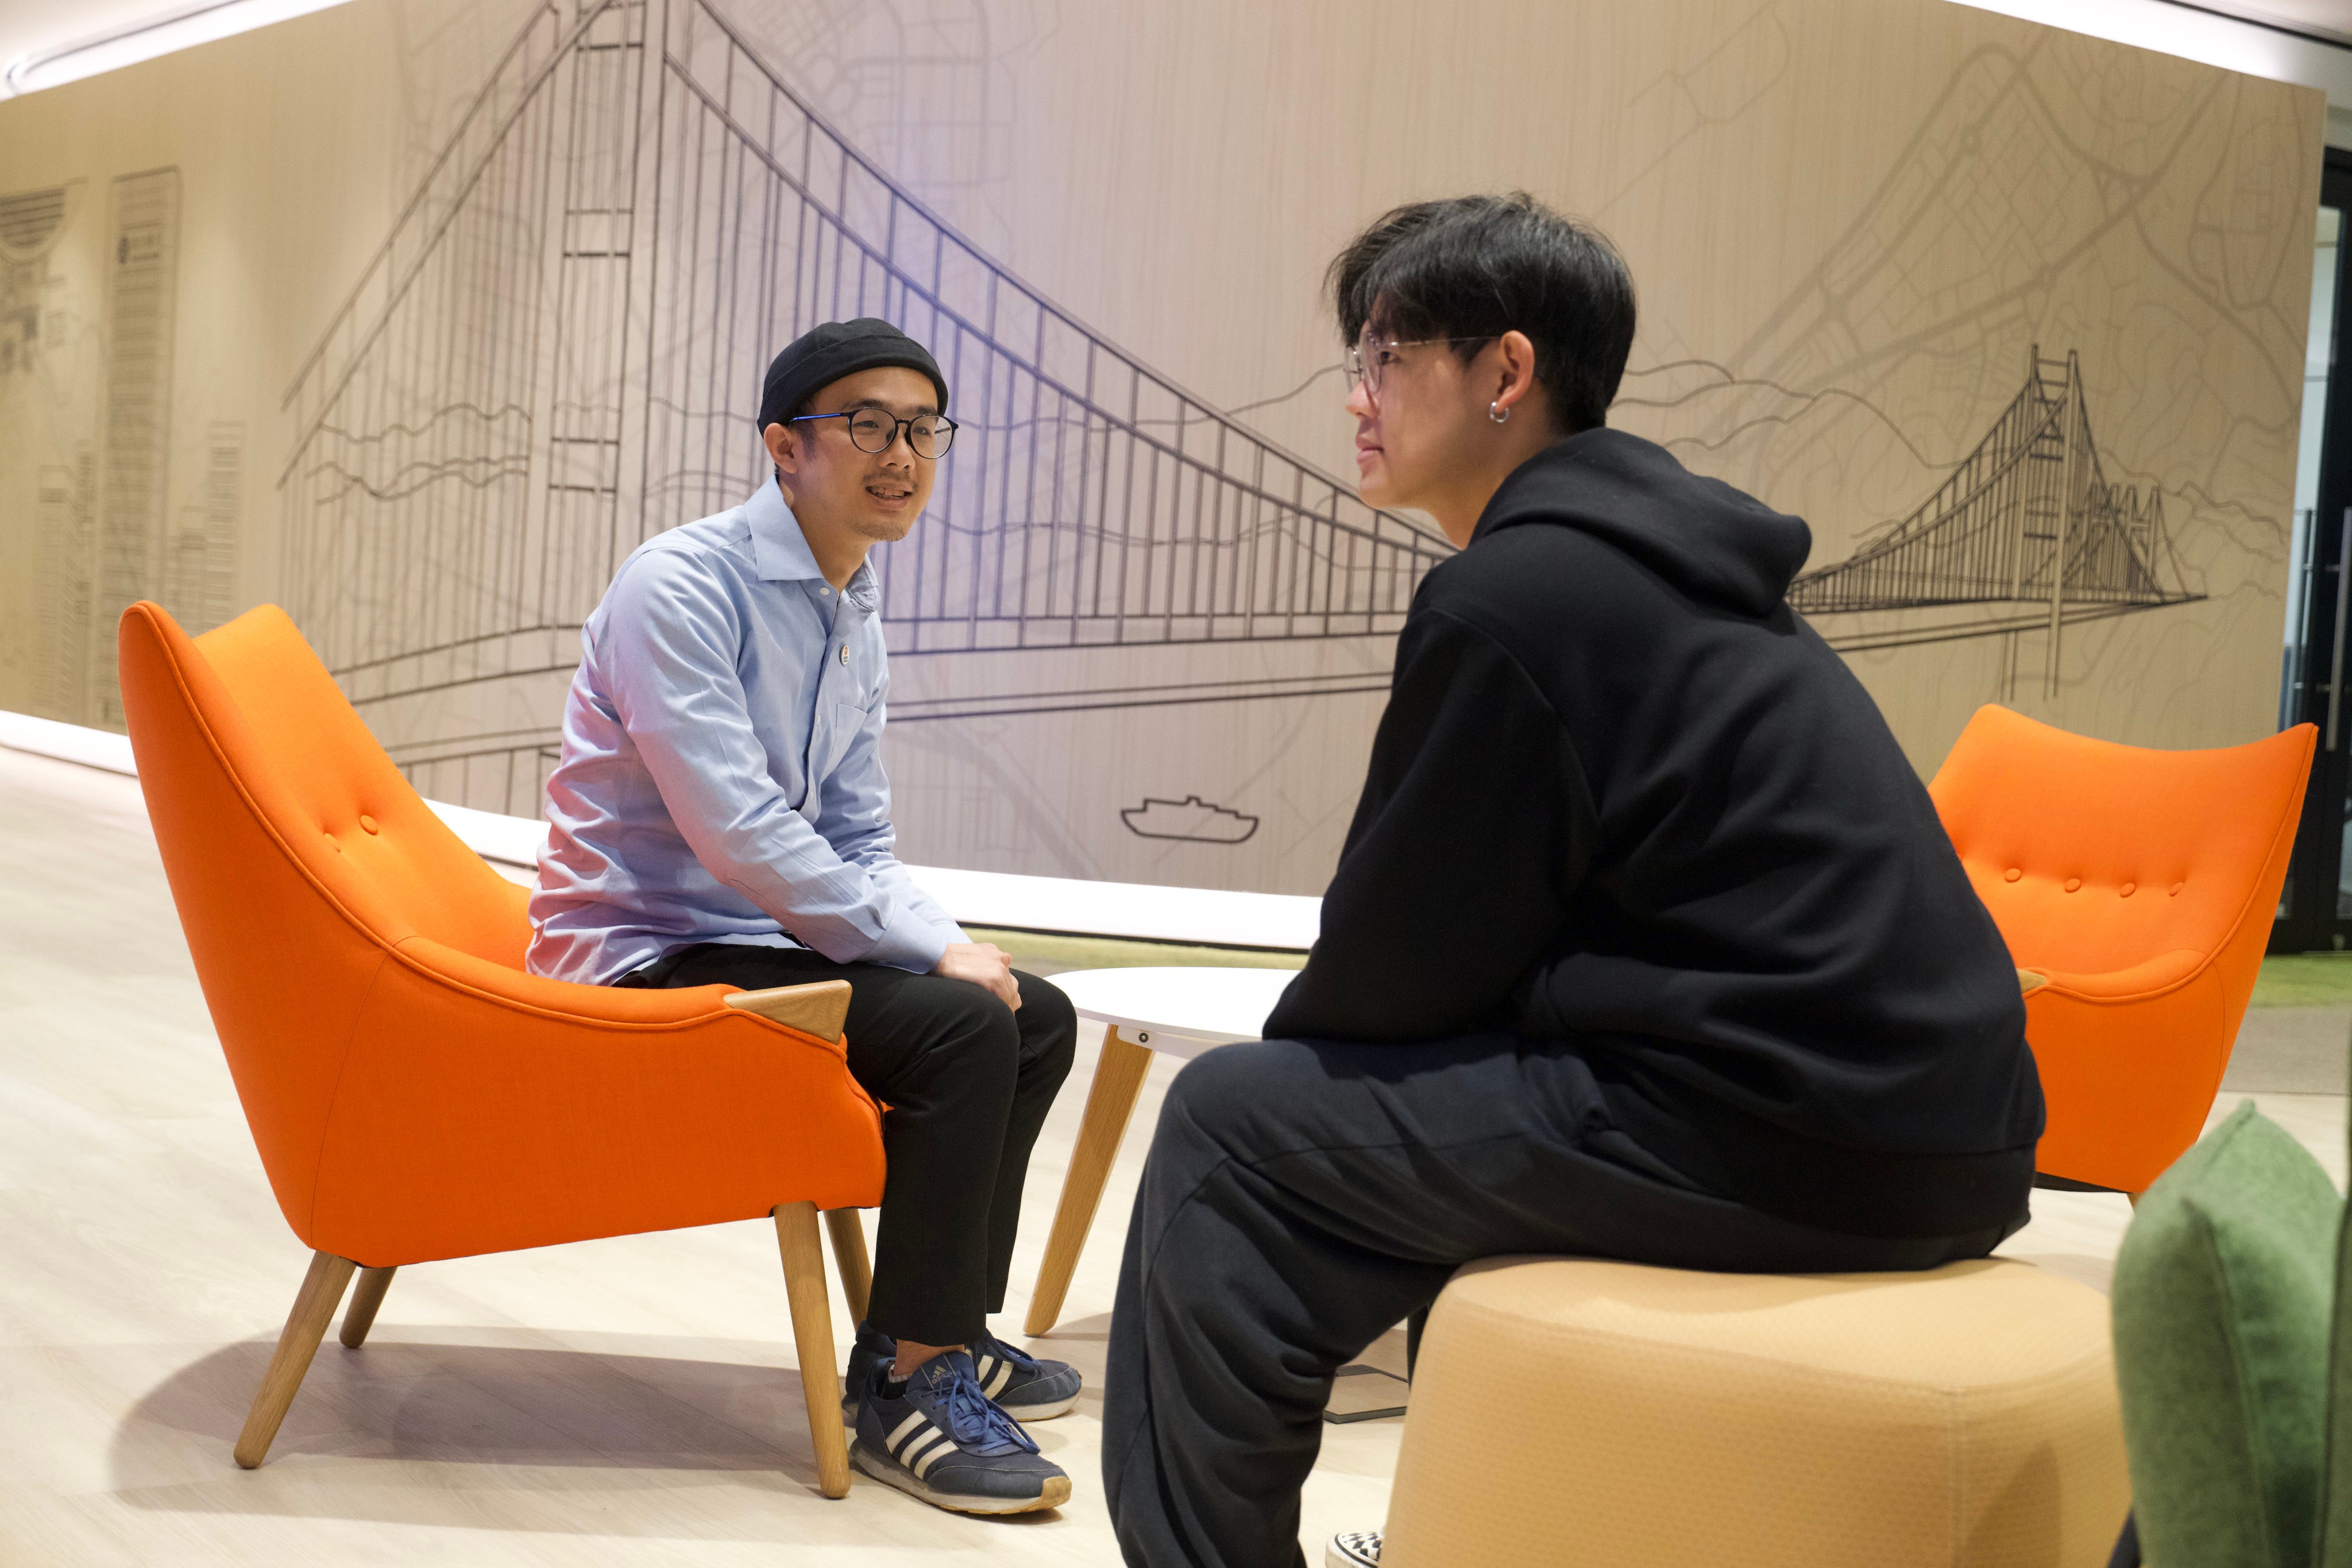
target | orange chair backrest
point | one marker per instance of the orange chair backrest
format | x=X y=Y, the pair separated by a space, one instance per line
x=2095 y=857
x=298 y=856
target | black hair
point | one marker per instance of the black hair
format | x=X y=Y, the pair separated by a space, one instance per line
x=1477 y=267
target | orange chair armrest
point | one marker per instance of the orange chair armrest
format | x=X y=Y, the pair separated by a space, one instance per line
x=2164 y=971
x=481 y=1109
x=566 y=1000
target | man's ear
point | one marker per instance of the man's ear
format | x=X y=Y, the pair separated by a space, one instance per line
x=783 y=444
x=1516 y=384
x=1518 y=378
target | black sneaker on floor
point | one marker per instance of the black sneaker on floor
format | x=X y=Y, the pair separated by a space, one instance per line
x=1356 y=1548
x=1026 y=1387
x=937 y=1438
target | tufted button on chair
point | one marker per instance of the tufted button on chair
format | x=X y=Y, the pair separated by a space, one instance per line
x=2141 y=884
x=414 y=1094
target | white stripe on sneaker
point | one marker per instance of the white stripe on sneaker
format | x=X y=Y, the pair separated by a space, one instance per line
x=922 y=1443
x=899 y=1435
x=1003 y=1375
x=981 y=1364
x=922 y=1457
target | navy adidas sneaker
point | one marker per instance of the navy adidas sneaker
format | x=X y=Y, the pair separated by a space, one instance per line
x=937 y=1438
x=1026 y=1387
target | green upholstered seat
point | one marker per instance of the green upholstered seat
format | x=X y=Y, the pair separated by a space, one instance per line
x=2225 y=1299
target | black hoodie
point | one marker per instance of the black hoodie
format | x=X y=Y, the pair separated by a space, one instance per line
x=1622 y=796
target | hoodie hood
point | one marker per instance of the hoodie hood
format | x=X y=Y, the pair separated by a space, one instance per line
x=1713 y=542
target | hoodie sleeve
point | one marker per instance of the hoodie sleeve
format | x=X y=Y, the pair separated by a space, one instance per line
x=1475 y=826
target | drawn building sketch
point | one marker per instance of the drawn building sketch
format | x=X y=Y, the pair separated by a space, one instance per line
x=64 y=555
x=29 y=221
x=134 y=463
x=65 y=513
x=198 y=576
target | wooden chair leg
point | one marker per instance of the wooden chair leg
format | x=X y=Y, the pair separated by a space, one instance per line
x=848 y=1233
x=804 y=1256
x=1118 y=1078
x=365 y=1300
x=314 y=1309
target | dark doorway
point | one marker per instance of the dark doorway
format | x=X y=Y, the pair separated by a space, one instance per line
x=2315 y=911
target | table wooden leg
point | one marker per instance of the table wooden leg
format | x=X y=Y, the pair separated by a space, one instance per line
x=1118 y=1078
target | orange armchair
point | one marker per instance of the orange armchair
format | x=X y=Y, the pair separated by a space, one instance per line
x=2139 y=886
x=414 y=1094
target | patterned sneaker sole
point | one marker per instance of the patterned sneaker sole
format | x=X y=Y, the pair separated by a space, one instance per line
x=889 y=1472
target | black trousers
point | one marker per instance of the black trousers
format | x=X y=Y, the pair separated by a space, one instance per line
x=1301 y=1198
x=968 y=1082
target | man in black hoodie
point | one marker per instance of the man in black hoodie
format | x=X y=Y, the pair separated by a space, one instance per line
x=1645 y=942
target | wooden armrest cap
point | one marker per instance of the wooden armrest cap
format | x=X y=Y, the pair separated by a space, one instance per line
x=818 y=1008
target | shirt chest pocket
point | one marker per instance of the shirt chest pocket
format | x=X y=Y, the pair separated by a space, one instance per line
x=838 y=727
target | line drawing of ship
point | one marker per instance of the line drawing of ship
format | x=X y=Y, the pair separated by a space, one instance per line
x=1193 y=819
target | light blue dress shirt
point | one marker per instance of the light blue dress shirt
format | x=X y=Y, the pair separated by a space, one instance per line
x=721 y=776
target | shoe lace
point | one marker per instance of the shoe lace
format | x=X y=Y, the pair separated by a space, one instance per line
x=974 y=1419
x=1022 y=1360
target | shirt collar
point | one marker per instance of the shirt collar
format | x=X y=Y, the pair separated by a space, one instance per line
x=780 y=551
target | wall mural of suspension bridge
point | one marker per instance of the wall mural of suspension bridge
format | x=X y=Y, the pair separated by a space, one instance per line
x=2026 y=533
x=553 y=356
x=1122 y=595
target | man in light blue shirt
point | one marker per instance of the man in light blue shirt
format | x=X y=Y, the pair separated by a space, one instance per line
x=721 y=816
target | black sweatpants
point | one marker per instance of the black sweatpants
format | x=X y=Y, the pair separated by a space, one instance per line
x=968 y=1082
x=1301 y=1198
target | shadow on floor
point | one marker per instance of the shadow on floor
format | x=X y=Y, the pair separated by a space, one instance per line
x=519 y=1438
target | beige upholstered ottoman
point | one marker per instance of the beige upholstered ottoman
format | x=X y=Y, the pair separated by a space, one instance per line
x=1573 y=1412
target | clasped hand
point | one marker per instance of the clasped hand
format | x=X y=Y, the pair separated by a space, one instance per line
x=984 y=964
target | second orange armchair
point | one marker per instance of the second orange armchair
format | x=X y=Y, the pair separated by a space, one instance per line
x=2141 y=884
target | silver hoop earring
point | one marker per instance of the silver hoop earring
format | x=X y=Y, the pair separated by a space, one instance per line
x=1497 y=413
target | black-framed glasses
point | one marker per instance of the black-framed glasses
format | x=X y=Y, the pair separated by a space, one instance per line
x=872 y=430
x=1369 y=356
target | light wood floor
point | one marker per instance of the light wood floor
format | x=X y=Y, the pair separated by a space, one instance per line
x=624 y=1401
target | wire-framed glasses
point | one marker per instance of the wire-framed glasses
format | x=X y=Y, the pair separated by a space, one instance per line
x=872 y=430
x=1371 y=355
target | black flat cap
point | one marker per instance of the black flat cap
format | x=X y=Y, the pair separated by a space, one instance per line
x=826 y=353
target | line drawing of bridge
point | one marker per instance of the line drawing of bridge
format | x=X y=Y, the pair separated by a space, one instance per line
x=555 y=352
x=1993 y=535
